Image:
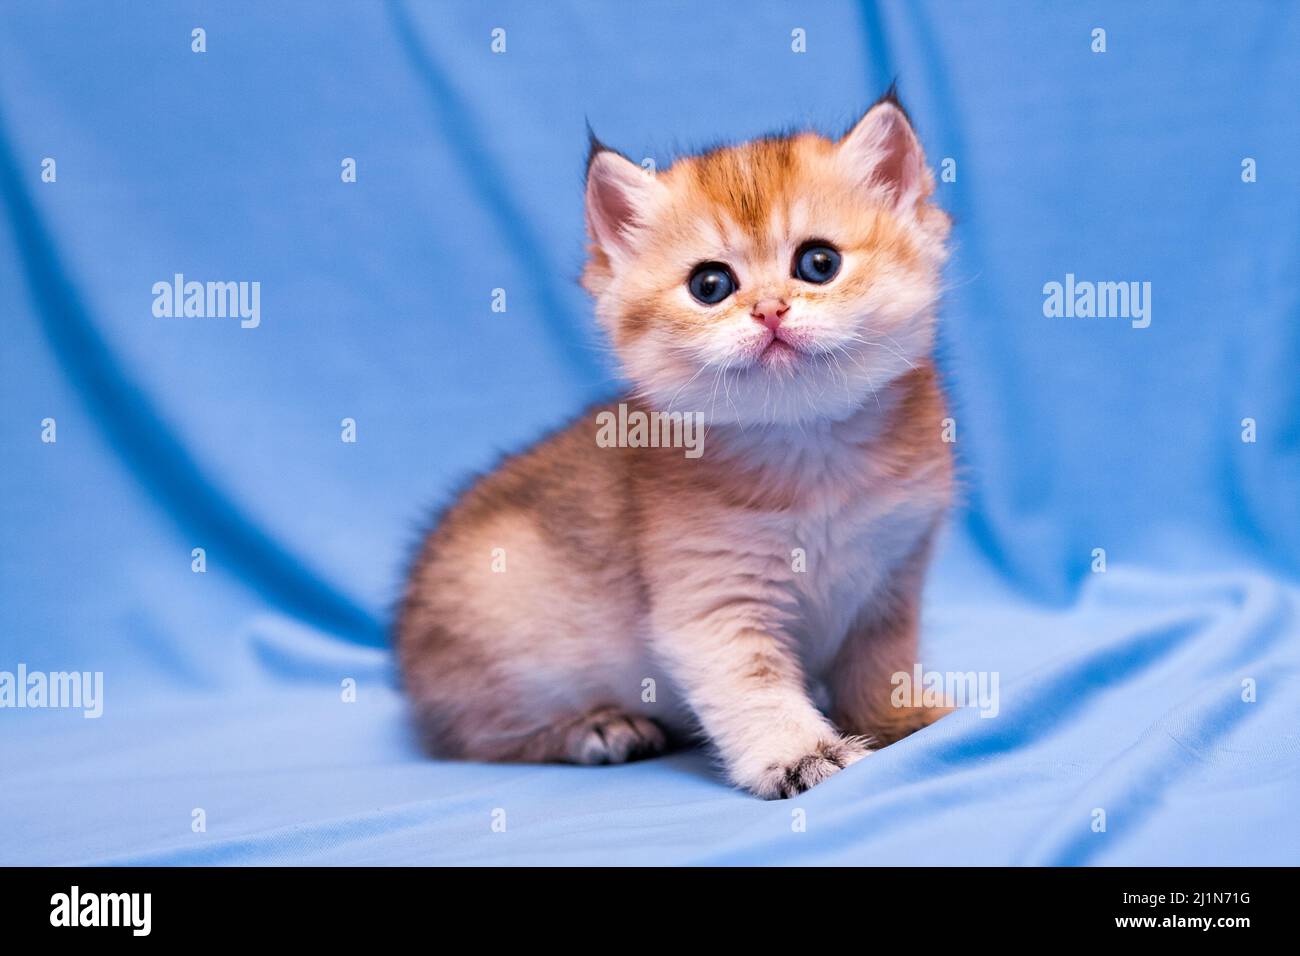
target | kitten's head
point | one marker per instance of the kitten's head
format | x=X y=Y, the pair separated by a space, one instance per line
x=784 y=279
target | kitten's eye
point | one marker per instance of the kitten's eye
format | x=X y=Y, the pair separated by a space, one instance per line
x=711 y=282
x=817 y=263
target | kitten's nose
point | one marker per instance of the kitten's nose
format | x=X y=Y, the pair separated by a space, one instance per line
x=770 y=312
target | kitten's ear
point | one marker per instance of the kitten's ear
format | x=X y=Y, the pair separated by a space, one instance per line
x=883 y=151
x=619 y=197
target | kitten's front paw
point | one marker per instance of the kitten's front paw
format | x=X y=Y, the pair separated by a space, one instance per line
x=782 y=780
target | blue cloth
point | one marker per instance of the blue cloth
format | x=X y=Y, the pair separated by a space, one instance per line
x=1162 y=692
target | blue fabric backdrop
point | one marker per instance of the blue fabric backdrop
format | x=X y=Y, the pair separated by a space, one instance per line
x=1120 y=691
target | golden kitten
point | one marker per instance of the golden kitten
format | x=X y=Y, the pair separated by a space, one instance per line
x=588 y=604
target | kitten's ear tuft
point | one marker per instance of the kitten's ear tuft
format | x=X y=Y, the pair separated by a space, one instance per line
x=594 y=145
x=884 y=153
x=890 y=96
x=619 y=197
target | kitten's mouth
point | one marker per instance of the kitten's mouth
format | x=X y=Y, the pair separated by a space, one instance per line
x=778 y=350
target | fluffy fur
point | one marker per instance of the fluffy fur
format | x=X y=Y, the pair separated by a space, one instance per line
x=647 y=596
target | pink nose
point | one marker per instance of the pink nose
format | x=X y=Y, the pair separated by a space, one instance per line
x=770 y=312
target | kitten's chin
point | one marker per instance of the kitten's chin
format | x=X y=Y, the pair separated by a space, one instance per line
x=773 y=380
x=784 y=387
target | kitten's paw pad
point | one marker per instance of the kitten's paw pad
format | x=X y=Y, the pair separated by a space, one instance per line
x=610 y=736
x=781 y=781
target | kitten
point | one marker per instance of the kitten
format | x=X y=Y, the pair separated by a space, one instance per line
x=785 y=287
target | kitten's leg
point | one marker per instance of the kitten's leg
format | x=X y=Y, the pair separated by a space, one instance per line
x=881 y=645
x=746 y=687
